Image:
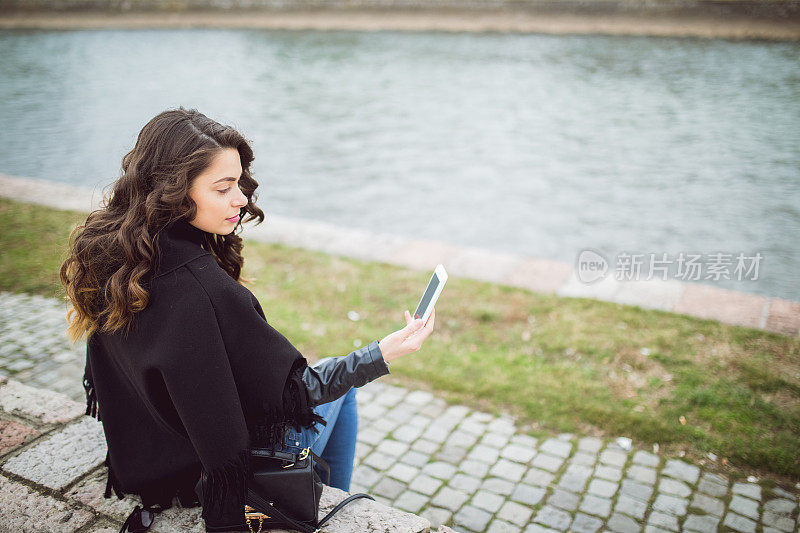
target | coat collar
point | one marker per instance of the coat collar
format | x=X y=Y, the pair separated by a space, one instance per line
x=178 y=243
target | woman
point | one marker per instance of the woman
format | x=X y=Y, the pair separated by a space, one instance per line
x=182 y=368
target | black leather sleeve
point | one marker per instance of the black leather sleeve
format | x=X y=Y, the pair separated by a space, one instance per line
x=332 y=377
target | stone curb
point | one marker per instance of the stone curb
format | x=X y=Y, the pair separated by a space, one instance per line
x=539 y=275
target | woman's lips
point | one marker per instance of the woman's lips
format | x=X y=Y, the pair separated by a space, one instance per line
x=233 y=219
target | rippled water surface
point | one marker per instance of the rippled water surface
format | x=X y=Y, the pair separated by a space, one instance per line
x=531 y=144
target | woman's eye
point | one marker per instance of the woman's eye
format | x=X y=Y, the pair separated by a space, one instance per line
x=223 y=191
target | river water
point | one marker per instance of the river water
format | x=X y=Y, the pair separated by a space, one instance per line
x=538 y=145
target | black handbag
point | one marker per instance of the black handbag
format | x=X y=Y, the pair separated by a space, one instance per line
x=285 y=491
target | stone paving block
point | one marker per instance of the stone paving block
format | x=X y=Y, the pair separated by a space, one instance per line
x=527 y=494
x=631 y=506
x=584 y=459
x=89 y=491
x=642 y=474
x=22 y=509
x=783 y=317
x=780 y=505
x=488 y=501
x=411 y=501
x=407 y=433
x=392 y=447
x=708 y=505
x=440 y=470
x=462 y=438
x=501 y=526
x=602 y=488
x=507 y=470
x=38 y=405
x=436 y=433
x=502 y=425
x=585 y=523
x=547 y=462
x=524 y=440
x=515 y=513
x=644 y=458
x=783 y=494
x=777 y=521
x=13 y=433
x=498 y=486
x=451 y=499
x=574 y=481
x=727 y=306
x=744 y=506
x=739 y=523
x=556 y=447
x=414 y=458
x=465 y=482
x=379 y=461
x=424 y=446
x=366 y=475
x=537 y=477
x=619 y=523
x=663 y=521
x=749 y=490
x=701 y=523
x=419 y=397
x=389 y=488
x=590 y=445
x=370 y=436
x=451 y=454
x=564 y=500
x=474 y=468
x=596 y=505
x=496 y=440
x=613 y=458
x=553 y=518
x=436 y=516
x=425 y=484
x=472 y=518
x=484 y=454
x=62 y=457
x=636 y=490
x=674 y=487
x=402 y=472
x=516 y=453
x=681 y=470
x=611 y=473
x=671 y=504
x=712 y=488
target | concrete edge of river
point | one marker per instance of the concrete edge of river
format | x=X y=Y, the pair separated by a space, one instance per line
x=745 y=19
x=539 y=275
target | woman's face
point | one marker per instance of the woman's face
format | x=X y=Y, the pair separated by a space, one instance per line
x=217 y=195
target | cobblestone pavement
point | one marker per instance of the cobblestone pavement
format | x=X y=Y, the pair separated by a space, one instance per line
x=465 y=468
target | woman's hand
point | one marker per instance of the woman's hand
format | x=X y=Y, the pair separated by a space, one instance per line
x=407 y=340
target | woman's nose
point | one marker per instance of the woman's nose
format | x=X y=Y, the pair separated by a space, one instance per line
x=241 y=201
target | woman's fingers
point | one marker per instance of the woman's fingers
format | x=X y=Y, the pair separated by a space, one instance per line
x=408 y=316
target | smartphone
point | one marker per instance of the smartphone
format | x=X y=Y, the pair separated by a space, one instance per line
x=431 y=294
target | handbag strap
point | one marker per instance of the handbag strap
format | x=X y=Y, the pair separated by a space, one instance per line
x=267 y=507
x=342 y=504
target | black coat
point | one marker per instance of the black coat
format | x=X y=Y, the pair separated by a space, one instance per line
x=198 y=379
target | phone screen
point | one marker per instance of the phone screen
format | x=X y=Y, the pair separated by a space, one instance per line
x=426 y=298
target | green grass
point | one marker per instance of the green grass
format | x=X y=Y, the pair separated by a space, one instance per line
x=559 y=364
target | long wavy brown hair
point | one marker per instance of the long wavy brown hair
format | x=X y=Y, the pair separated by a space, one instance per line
x=111 y=256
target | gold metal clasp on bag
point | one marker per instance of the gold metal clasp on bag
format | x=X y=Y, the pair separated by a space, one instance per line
x=303 y=454
x=252 y=514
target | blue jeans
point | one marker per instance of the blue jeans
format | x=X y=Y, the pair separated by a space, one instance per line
x=335 y=442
